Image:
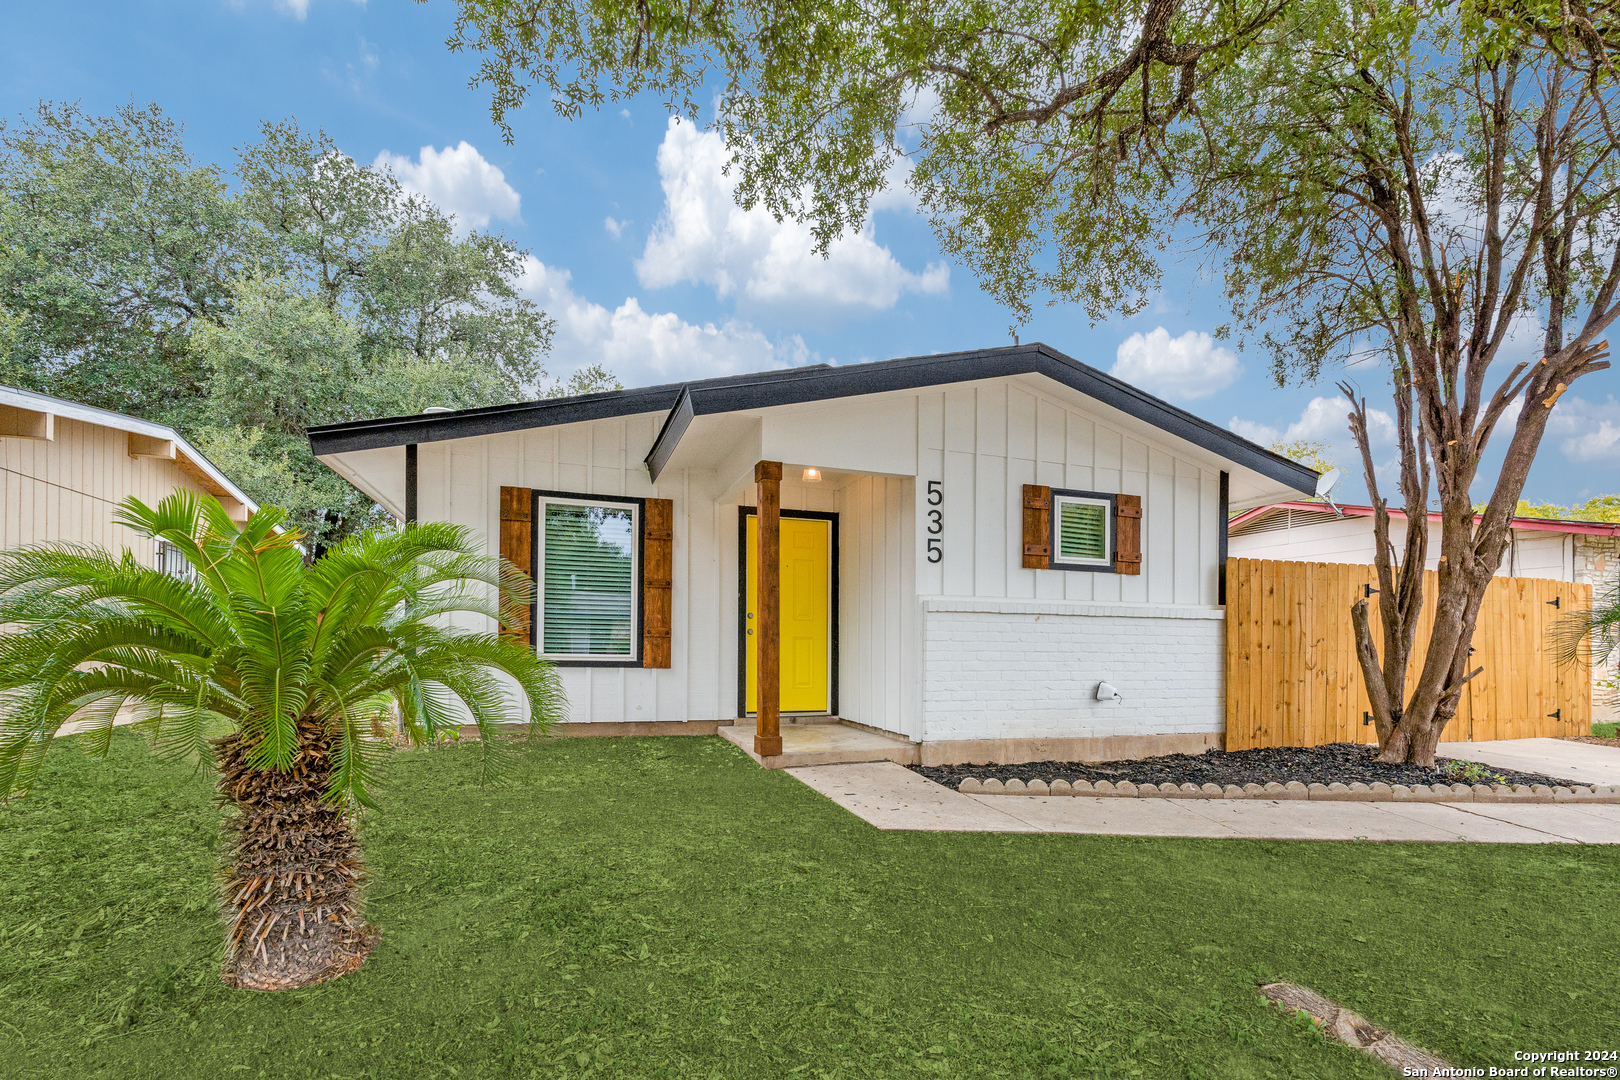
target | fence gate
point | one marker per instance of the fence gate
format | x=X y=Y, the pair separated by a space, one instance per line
x=1292 y=678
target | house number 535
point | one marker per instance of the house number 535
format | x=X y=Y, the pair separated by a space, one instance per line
x=936 y=521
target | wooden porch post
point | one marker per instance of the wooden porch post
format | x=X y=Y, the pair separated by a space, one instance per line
x=768 y=504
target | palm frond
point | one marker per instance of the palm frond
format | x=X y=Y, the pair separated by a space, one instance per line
x=260 y=641
x=355 y=754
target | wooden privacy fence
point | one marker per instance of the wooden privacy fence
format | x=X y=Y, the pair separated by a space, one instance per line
x=1292 y=678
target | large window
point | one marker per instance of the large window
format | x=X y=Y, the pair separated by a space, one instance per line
x=588 y=569
x=1082 y=531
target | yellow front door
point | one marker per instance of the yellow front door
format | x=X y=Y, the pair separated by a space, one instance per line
x=806 y=620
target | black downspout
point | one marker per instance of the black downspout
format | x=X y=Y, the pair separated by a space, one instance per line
x=1226 y=515
x=410 y=487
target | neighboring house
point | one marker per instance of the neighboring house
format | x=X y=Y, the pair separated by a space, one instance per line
x=912 y=594
x=1581 y=551
x=64 y=468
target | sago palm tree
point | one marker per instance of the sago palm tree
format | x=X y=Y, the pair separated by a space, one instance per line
x=278 y=672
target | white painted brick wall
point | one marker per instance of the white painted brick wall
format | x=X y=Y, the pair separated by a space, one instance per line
x=1028 y=669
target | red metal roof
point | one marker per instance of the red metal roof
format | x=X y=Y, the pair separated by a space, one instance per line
x=1527 y=524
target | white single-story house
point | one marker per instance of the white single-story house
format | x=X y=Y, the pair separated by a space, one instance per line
x=968 y=544
x=65 y=467
x=1303 y=531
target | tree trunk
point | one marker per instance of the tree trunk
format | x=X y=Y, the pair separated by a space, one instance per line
x=291 y=893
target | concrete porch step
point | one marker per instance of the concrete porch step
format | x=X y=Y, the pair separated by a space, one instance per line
x=824 y=744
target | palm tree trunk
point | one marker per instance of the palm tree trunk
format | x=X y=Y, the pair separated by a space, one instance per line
x=291 y=894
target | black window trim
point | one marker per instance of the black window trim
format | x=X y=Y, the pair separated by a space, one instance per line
x=538 y=495
x=1111 y=498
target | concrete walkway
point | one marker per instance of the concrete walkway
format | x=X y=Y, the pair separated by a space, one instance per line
x=1584 y=763
x=822 y=742
x=891 y=796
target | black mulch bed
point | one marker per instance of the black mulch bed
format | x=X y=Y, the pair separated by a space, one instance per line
x=1344 y=763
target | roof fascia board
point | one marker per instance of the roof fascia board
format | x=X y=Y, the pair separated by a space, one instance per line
x=820 y=383
x=498 y=419
x=89 y=414
x=918 y=373
x=208 y=467
x=84 y=414
x=669 y=436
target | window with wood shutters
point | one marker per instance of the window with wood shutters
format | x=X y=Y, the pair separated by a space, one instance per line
x=1082 y=530
x=602 y=568
x=588 y=581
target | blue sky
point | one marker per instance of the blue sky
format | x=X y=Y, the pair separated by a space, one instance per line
x=637 y=250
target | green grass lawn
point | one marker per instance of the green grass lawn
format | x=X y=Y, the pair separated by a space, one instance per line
x=664 y=908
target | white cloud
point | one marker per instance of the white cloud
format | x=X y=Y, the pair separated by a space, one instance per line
x=1590 y=431
x=922 y=111
x=644 y=348
x=1181 y=368
x=703 y=236
x=1264 y=434
x=298 y=9
x=459 y=181
x=614 y=227
x=1324 y=420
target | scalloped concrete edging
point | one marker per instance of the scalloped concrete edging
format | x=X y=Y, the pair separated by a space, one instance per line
x=1294 y=789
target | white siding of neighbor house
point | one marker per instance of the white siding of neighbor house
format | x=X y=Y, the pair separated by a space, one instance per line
x=984 y=441
x=1532 y=553
x=67 y=490
x=1543 y=555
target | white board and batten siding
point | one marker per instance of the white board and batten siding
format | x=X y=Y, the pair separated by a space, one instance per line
x=962 y=644
x=1017 y=654
x=67 y=489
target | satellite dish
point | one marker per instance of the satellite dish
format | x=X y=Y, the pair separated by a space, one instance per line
x=1324 y=489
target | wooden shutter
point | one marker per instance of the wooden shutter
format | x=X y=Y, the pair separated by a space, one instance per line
x=657 y=568
x=517 y=548
x=1037 y=527
x=1127 y=534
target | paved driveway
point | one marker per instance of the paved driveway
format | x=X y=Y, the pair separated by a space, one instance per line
x=1584 y=763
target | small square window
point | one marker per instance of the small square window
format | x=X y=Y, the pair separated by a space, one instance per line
x=171 y=561
x=1082 y=531
x=588 y=571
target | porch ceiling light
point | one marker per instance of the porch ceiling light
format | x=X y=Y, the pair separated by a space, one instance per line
x=812 y=476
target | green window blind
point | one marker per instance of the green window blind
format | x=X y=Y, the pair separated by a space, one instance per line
x=1082 y=531
x=589 y=581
